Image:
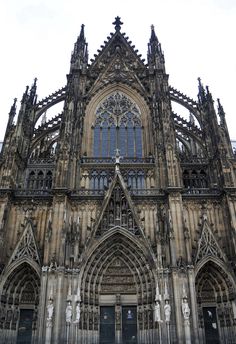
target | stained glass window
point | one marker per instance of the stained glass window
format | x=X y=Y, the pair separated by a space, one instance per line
x=117 y=125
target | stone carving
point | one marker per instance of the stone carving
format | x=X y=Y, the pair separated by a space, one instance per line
x=167 y=311
x=208 y=244
x=157 y=312
x=68 y=312
x=77 y=313
x=185 y=309
x=50 y=309
x=26 y=247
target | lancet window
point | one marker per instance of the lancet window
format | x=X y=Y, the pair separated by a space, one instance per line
x=195 y=179
x=118 y=125
x=39 y=179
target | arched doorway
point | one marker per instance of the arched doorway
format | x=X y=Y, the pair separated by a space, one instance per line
x=19 y=305
x=215 y=298
x=117 y=289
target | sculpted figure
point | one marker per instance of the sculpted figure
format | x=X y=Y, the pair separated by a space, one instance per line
x=167 y=311
x=185 y=309
x=50 y=309
x=77 y=313
x=68 y=312
x=157 y=312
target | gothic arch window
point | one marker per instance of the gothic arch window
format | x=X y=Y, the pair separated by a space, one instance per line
x=48 y=180
x=40 y=180
x=118 y=125
x=31 y=180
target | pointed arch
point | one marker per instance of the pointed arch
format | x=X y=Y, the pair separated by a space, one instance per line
x=215 y=294
x=19 y=300
x=131 y=266
x=90 y=119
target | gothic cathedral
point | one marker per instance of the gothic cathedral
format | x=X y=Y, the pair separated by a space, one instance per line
x=117 y=215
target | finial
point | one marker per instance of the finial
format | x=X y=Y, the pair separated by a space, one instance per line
x=201 y=91
x=221 y=112
x=13 y=108
x=81 y=36
x=117 y=23
x=153 y=34
x=220 y=107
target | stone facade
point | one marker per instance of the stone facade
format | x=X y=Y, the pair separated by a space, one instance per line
x=118 y=216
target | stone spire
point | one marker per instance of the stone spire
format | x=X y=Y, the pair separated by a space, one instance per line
x=155 y=54
x=201 y=92
x=12 y=113
x=79 y=55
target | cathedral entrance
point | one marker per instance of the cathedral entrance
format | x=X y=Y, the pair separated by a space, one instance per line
x=211 y=325
x=107 y=325
x=20 y=300
x=129 y=325
x=214 y=295
x=25 y=326
x=110 y=324
x=116 y=298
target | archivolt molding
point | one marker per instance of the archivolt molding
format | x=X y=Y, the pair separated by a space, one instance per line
x=26 y=251
x=217 y=273
x=117 y=244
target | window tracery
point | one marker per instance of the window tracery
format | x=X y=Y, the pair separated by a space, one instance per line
x=118 y=125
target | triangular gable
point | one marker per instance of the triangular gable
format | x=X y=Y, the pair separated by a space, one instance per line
x=26 y=246
x=117 y=42
x=117 y=70
x=117 y=51
x=117 y=209
x=208 y=244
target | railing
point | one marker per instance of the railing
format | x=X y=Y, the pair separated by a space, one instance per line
x=146 y=192
x=201 y=191
x=192 y=160
x=91 y=160
x=33 y=192
x=41 y=161
x=87 y=192
x=101 y=192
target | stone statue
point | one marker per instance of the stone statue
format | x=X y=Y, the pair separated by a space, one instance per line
x=157 y=312
x=77 y=313
x=50 y=309
x=185 y=309
x=167 y=311
x=68 y=312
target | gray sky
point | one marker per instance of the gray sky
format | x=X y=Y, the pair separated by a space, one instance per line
x=197 y=36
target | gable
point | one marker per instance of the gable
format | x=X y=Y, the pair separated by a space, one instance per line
x=208 y=245
x=117 y=62
x=26 y=247
x=117 y=210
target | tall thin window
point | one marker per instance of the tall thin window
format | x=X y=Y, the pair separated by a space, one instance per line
x=117 y=125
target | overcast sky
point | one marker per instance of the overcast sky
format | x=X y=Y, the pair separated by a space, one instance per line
x=197 y=36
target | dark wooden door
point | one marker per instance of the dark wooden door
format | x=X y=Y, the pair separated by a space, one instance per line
x=211 y=325
x=129 y=325
x=24 y=334
x=107 y=325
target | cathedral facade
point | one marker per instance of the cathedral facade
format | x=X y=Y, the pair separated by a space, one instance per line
x=118 y=216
